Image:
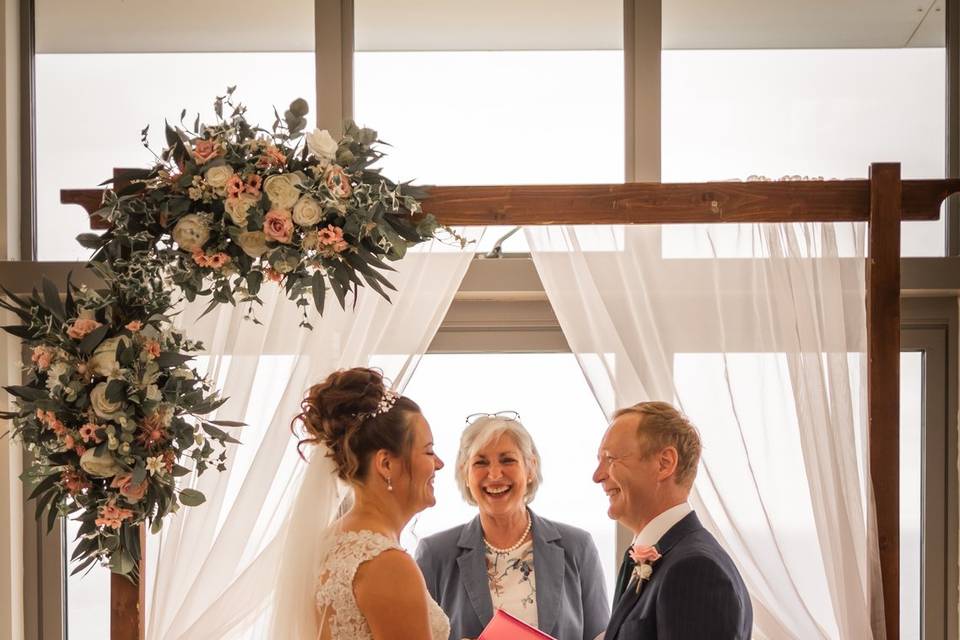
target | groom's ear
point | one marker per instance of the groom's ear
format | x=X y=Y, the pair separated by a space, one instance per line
x=667 y=463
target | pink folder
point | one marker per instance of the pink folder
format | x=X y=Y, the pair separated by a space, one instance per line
x=504 y=626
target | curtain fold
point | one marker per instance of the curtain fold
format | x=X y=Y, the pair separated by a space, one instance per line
x=758 y=334
x=212 y=569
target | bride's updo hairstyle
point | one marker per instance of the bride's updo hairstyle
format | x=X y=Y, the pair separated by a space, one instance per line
x=347 y=413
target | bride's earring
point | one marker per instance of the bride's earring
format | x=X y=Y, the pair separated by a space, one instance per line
x=389 y=484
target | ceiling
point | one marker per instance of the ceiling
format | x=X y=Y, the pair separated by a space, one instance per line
x=66 y=26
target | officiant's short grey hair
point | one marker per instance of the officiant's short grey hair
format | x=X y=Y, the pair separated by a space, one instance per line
x=485 y=430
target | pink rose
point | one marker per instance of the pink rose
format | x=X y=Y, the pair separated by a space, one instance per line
x=134 y=326
x=204 y=151
x=133 y=493
x=338 y=182
x=81 y=327
x=278 y=225
x=642 y=554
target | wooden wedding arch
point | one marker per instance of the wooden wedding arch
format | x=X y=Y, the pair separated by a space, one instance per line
x=883 y=200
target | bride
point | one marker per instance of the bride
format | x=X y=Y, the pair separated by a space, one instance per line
x=364 y=585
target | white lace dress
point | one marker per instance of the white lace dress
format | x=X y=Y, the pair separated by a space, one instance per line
x=336 y=604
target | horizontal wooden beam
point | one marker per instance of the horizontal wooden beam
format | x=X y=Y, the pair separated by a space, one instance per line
x=652 y=203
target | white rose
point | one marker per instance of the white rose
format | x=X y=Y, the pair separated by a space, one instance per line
x=99 y=466
x=282 y=190
x=253 y=243
x=104 y=359
x=217 y=176
x=191 y=232
x=237 y=207
x=101 y=406
x=321 y=144
x=307 y=212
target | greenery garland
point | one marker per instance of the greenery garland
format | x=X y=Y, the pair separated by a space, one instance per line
x=110 y=407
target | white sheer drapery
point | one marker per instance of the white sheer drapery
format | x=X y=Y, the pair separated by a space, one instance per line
x=216 y=565
x=764 y=352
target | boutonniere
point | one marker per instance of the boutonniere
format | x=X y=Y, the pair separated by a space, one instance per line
x=644 y=557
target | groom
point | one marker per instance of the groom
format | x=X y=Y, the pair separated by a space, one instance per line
x=679 y=583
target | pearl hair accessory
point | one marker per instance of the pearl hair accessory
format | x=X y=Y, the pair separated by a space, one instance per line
x=387 y=401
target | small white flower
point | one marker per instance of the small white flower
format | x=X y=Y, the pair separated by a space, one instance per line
x=155 y=465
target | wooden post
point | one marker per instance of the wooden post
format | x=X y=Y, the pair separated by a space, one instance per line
x=883 y=376
x=127 y=601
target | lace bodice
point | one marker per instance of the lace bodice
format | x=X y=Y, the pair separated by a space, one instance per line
x=336 y=604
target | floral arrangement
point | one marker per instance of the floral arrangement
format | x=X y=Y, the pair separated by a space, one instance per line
x=109 y=407
x=230 y=205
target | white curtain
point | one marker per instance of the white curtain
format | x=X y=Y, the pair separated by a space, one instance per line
x=213 y=567
x=757 y=333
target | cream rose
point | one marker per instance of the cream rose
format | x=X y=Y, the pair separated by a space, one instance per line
x=104 y=359
x=99 y=466
x=238 y=206
x=282 y=190
x=253 y=243
x=103 y=407
x=218 y=176
x=191 y=232
x=307 y=212
x=321 y=144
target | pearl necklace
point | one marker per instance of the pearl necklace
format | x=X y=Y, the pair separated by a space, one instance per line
x=514 y=547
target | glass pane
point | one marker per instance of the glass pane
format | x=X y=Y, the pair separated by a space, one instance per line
x=911 y=493
x=80 y=141
x=450 y=387
x=496 y=117
x=813 y=112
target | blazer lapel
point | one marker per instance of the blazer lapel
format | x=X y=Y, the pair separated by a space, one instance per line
x=631 y=598
x=472 y=562
x=548 y=568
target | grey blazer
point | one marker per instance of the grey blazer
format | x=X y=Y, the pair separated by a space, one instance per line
x=571 y=593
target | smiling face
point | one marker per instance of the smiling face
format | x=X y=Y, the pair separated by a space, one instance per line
x=498 y=477
x=417 y=486
x=630 y=479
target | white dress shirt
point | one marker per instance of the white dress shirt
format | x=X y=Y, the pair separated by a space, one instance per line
x=651 y=534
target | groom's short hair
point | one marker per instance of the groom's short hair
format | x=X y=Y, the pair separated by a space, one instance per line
x=661 y=426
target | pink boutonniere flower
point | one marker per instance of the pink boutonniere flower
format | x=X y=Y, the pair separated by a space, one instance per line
x=644 y=557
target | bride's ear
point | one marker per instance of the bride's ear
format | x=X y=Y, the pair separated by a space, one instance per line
x=384 y=465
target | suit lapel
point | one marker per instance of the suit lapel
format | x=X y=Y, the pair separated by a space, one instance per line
x=631 y=598
x=472 y=562
x=548 y=567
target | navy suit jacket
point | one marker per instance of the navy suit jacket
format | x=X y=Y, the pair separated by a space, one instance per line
x=571 y=594
x=694 y=593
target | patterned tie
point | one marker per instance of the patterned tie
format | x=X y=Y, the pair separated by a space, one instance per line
x=623 y=577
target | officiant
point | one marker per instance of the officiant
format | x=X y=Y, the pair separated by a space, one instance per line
x=545 y=573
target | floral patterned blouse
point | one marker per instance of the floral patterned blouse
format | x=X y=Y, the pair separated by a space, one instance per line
x=513 y=587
